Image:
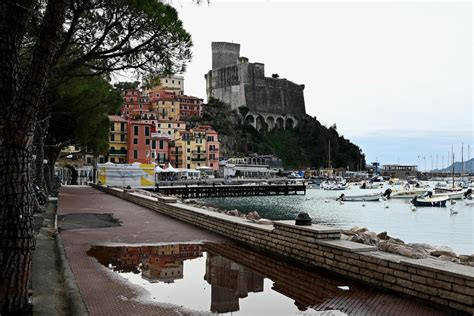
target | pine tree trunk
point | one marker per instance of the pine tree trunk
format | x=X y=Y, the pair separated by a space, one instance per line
x=16 y=222
x=20 y=91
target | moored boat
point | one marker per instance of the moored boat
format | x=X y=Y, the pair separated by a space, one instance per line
x=406 y=194
x=430 y=201
x=359 y=198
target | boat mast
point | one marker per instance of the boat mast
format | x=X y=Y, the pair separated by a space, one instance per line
x=329 y=155
x=462 y=161
x=452 y=160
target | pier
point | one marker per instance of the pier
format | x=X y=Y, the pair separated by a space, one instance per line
x=232 y=190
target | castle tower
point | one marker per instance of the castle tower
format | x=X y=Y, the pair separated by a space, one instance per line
x=224 y=54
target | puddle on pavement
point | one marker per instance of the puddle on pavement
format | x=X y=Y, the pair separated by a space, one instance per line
x=228 y=278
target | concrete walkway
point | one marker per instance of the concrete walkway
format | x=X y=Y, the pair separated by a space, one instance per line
x=47 y=284
x=103 y=293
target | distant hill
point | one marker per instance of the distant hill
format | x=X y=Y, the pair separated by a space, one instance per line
x=306 y=145
x=468 y=167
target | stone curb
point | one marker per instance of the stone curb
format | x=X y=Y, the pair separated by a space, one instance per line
x=73 y=295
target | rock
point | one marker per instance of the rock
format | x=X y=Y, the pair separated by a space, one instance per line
x=253 y=216
x=396 y=247
x=439 y=253
x=449 y=258
x=233 y=213
x=264 y=221
x=383 y=236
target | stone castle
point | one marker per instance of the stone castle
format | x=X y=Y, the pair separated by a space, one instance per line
x=273 y=102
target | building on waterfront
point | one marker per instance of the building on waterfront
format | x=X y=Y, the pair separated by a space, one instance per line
x=272 y=101
x=118 y=140
x=152 y=127
x=399 y=171
x=259 y=160
x=194 y=148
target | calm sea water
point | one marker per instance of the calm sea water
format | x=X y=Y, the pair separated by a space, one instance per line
x=431 y=225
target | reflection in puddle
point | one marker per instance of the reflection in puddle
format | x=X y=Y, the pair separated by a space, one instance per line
x=228 y=278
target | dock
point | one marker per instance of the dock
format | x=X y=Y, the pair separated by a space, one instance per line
x=231 y=190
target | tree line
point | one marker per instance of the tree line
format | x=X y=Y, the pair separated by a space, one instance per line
x=57 y=59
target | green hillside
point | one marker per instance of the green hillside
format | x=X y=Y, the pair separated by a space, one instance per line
x=306 y=145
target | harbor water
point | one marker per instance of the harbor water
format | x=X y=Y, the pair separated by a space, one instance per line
x=430 y=225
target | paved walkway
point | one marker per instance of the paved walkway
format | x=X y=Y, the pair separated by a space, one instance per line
x=102 y=292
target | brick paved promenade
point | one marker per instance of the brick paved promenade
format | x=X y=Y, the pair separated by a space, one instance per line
x=102 y=293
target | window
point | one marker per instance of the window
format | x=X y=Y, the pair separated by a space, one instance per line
x=147 y=130
x=169 y=125
x=212 y=165
x=135 y=130
x=188 y=142
x=179 y=81
x=166 y=80
x=112 y=159
x=135 y=154
x=89 y=160
x=147 y=141
x=189 y=166
x=188 y=158
x=122 y=138
x=189 y=150
x=153 y=144
x=112 y=127
x=135 y=141
x=161 y=144
x=122 y=127
x=112 y=137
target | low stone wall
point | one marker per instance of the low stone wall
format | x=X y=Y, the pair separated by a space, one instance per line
x=445 y=283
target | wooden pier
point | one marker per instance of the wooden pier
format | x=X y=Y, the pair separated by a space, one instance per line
x=232 y=190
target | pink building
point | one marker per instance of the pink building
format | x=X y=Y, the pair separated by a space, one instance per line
x=139 y=141
x=212 y=142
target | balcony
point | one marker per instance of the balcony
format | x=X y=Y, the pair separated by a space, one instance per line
x=198 y=152
x=199 y=159
x=115 y=152
x=214 y=150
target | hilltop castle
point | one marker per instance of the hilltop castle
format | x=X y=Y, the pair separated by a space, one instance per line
x=272 y=102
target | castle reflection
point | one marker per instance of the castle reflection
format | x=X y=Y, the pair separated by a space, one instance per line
x=233 y=272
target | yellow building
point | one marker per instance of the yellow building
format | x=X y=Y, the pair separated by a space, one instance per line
x=117 y=140
x=170 y=127
x=167 y=109
x=188 y=150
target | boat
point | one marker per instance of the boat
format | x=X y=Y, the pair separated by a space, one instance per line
x=406 y=194
x=366 y=185
x=430 y=201
x=359 y=198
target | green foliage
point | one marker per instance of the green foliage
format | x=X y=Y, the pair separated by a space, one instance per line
x=307 y=145
x=123 y=85
x=80 y=112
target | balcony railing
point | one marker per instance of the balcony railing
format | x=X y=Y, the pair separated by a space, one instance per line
x=120 y=152
x=198 y=159
x=198 y=152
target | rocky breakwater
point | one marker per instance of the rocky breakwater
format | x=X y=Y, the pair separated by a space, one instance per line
x=251 y=216
x=386 y=243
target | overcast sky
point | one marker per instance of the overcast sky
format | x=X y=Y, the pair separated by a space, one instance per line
x=396 y=77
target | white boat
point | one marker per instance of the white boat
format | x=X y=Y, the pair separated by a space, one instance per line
x=366 y=185
x=452 y=195
x=406 y=194
x=359 y=198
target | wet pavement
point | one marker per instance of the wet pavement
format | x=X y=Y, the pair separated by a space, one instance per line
x=103 y=293
x=223 y=278
x=155 y=265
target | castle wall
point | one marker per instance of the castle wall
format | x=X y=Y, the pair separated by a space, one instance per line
x=237 y=82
